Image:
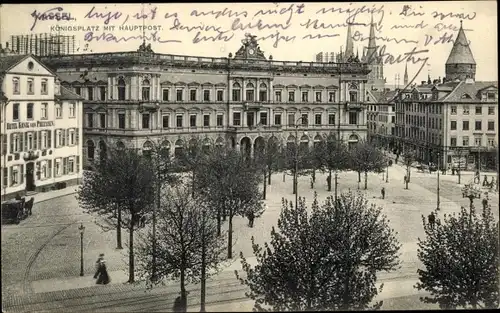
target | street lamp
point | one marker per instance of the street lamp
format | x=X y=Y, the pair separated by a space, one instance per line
x=295 y=179
x=438 y=162
x=203 y=262
x=81 y=228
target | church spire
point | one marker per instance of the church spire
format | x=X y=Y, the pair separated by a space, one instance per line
x=372 y=45
x=405 y=77
x=349 y=48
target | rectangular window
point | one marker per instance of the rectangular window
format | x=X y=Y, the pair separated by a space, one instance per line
x=263 y=95
x=58 y=111
x=277 y=119
x=44 y=111
x=72 y=109
x=121 y=120
x=236 y=118
x=453 y=141
x=206 y=120
x=479 y=110
x=146 y=93
x=465 y=141
x=236 y=95
x=90 y=91
x=465 y=125
x=353 y=118
x=277 y=96
x=71 y=165
x=15 y=111
x=78 y=90
x=318 y=96
x=71 y=137
x=220 y=95
x=491 y=142
x=291 y=119
x=291 y=96
x=331 y=119
x=192 y=120
x=317 y=119
x=102 y=120
x=466 y=110
x=165 y=121
x=491 y=125
x=145 y=120
x=29 y=111
x=90 y=120
x=31 y=89
x=305 y=96
x=263 y=118
x=220 y=119
x=15 y=86
x=304 y=119
x=478 y=141
x=192 y=95
x=178 y=121
x=165 y=93
x=179 y=94
x=353 y=96
x=44 y=89
x=102 y=92
x=491 y=110
x=453 y=125
x=206 y=95
x=478 y=125
x=453 y=109
x=250 y=95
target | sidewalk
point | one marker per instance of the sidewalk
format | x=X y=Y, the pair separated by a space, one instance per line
x=49 y=195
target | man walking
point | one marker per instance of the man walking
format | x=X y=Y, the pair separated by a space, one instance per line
x=432 y=220
x=382 y=191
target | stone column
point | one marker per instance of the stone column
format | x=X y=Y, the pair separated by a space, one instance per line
x=257 y=89
x=111 y=88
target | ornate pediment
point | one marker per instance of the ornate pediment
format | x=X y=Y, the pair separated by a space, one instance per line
x=250 y=49
x=145 y=49
x=319 y=87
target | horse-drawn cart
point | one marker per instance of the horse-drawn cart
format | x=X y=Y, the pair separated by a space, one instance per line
x=16 y=210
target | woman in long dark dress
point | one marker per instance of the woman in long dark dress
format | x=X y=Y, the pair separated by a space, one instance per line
x=103 y=278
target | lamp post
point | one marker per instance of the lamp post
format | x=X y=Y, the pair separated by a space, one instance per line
x=438 y=162
x=295 y=180
x=203 y=262
x=81 y=228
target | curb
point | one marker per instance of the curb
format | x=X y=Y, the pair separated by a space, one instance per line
x=60 y=196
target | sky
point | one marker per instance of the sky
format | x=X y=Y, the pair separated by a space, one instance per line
x=287 y=31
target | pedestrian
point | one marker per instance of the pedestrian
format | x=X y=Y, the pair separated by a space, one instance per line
x=452 y=171
x=432 y=220
x=178 y=305
x=18 y=196
x=383 y=192
x=485 y=181
x=251 y=217
x=404 y=179
x=97 y=264
x=143 y=221
x=103 y=275
x=312 y=183
x=329 y=181
x=477 y=179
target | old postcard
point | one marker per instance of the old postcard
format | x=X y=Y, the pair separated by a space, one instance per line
x=249 y=156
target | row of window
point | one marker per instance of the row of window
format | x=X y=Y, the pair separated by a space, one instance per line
x=478 y=141
x=478 y=125
x=434 y=108
x=40 y=140
x=237 y=119
x=44 y=114
x=478 y=110
x=420 y=121
x=30 y=86
x=45 y=169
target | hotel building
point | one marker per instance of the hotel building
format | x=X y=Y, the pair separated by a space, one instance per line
x=41 y=126
x=139 y=99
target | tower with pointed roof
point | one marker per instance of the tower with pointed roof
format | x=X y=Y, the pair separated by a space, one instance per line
x=405 y=77
x=349 y=47
x=460 y=64
x=376 y=80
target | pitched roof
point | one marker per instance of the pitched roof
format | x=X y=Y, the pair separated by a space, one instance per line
x=461 y=53
x=384 y=96
x=465 y=92
x=9 y=61
x=67 y=94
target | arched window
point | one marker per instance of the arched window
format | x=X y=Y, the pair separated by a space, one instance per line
x=236 y=92
x=250 y=92
x=121 y=88
x=147 y=148
x=263 y=92
x=146 y=90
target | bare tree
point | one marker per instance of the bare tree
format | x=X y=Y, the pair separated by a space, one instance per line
x=126 y=180
x=409 y=156
x=189 y=249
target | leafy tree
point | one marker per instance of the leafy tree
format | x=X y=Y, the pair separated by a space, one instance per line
x=267 y=157
x=460 y=256
x=325 y=261
x=192 y=158
x=367 y=158
x=335 y=157
x=409 y=156
x=125 y=180
x=188 y=244
x=292 y=159
x=230 y=185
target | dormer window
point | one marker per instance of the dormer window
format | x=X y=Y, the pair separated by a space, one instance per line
x=491 y=96
x=466 y=96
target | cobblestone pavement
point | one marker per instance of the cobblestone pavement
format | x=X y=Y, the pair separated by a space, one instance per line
x=50 y=248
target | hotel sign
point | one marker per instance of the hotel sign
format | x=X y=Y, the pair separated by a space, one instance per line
x=22 y=125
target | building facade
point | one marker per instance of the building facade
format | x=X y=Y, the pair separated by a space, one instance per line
x=381 y=117
x=139 y=99
x=457 y=118
x=41 y=128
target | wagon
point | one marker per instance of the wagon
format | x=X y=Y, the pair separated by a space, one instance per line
x=13 y=211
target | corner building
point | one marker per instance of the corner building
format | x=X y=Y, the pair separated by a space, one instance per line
x=41 y=128
x=141 y=98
